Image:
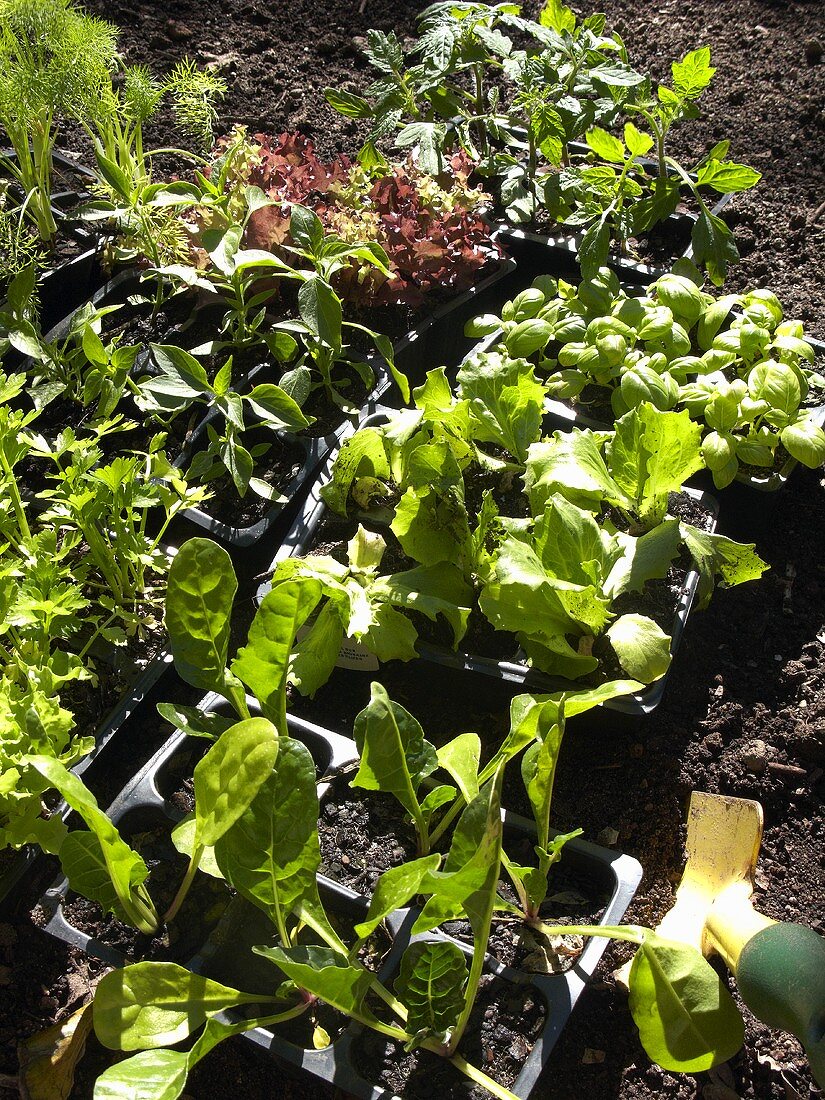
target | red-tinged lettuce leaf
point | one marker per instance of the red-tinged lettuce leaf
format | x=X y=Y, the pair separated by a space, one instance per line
x=434 y=238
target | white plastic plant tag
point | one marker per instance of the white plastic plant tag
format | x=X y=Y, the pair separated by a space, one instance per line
x=352 y=654
x=356 y=656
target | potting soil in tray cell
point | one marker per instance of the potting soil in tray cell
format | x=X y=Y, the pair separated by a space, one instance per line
x=504 y=1037
x=362 y=834
x=284 y=464
x=504 y=1028
x=83 y=924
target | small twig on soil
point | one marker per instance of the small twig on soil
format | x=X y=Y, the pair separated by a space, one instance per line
x=815 y=216
x=787 y=599
x=791 y=770
x=362 y=7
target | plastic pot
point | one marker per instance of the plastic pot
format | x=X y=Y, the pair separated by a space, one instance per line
x=67 y=285
x=226 y=955
x=74 y=190
x=539 y=253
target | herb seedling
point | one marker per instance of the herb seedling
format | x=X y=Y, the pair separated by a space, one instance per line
x=54 y=65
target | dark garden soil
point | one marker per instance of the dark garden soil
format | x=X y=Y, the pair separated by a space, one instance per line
x=744 y=712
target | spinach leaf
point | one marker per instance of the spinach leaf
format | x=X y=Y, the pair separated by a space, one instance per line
x=100 y=864
x=200 y=592
x=394 y=757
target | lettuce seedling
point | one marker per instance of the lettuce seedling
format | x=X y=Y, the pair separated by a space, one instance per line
x=426 y=229
x=358 y=602
x=32 y=723
x=423 y=455
x=554 y=579
x=635 y=469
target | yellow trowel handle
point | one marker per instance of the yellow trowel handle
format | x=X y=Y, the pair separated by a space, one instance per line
x=780 y=972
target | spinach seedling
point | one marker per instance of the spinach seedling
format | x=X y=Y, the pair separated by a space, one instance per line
x=687 y=1019
x=99 y=864
x=538 y=722
x=200 y=595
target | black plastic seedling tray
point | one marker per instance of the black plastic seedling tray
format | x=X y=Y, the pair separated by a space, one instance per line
x=299 y=540
x=66 y=285
x=312 y=449
x=439 y=338
x=226 y=955
x=22 y=862
x=541 y=253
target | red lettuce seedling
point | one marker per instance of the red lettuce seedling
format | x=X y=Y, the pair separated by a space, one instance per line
x=430 y=227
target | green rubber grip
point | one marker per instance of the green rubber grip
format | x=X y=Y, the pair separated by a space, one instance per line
x=781 y=977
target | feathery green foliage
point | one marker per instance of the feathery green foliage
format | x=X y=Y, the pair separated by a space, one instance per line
x=194 y=92
x=54 y=65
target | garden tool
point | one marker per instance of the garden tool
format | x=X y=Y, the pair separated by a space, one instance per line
x=779 y=967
